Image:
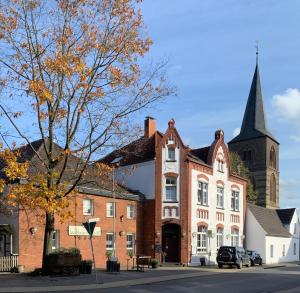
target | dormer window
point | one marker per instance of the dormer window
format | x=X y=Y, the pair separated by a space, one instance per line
x=171 y=154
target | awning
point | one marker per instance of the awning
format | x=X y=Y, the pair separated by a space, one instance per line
x=6 y=229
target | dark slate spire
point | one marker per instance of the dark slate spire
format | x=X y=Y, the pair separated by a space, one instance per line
x=254 y=122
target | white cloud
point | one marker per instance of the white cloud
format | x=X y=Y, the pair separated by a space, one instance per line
x=287 y=106
x=236 y=131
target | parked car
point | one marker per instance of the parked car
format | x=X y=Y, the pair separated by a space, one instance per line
x=255 y=257
x=233 y=256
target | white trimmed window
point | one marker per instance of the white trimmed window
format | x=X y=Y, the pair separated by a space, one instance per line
x=283 y=250
x=295 y=228
x=110 y=209
x=171 y=154
x=202 y=193
x=171 y=189
x=220 y=166
x=130 y=211
x=271 y=250
x=55 y=240
x=234 y=237
x=109 y=241
x=202 y=239
x=295 y=248
x=220 y=197
x=129 y=241
x=87 y=205
x=219 y=237
x=235 y=202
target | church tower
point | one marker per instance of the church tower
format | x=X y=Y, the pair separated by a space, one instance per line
x=258 y=148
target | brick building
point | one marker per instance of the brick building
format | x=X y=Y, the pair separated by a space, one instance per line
x=193 y=204
x=22 y=232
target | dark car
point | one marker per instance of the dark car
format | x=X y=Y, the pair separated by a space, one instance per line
x=255 y=257
x=233 y=256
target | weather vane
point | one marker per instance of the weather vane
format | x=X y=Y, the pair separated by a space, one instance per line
x=256 y=46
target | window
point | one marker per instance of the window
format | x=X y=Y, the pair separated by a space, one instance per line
x=87 y=207
x=171 y=189
x=220 y=197
x=272 y=158
x=110 y=209
x=235 y=200
x=220 y=166
x=295 y=228
x=202 y=193
x=129 y=242
x=234 y=237
x=283 y=250
x=109 y=241
x=171 y=154
x=295 y=248
x=55 y=240
x=202 y=239
x=219 y=237
x=271 y=250
x=130 y=212
x=273 y=188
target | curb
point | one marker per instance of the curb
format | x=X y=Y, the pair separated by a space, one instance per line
x=274 y=267
x=107 y=285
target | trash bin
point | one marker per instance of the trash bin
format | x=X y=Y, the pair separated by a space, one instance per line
x=112 y=266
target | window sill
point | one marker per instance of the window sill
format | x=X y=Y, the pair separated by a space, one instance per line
x=170 y=201
x=203 y=205
x=236 y=211
x=87 y=214
x=220 y=208
x=220 y=171
x=171 y=161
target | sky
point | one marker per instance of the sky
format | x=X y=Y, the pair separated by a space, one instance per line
x=210 y=46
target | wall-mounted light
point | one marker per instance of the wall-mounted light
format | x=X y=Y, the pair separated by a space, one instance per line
x=122 y=233
x=33 y=230
x=194 y=234
x=121 y=218
x=183 y=234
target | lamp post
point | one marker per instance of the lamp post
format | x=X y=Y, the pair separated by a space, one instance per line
x=114 y=163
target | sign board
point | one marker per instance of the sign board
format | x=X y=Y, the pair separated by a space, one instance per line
x=81 y=231
x=94 y=220
x=89 y=227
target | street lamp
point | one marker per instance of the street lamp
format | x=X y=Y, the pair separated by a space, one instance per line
x=114 y=163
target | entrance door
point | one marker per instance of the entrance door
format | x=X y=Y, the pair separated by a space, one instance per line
x=171 y=242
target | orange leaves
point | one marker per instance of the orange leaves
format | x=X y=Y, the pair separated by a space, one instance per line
x=39 y=88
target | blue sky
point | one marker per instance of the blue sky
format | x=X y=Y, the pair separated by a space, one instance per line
x=211 y=50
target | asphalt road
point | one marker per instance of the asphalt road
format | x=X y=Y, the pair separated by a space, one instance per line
x=280 y=281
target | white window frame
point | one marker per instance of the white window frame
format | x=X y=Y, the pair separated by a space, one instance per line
x=130 y=211
x=90 y=210
x=173 y=185
x=110 y=242
x=202 y=193
x=220 y=197
x=235 y=237
x=202 y=239
x=128 y=246
x=235 y=200
x=171 y=154
x=110 y=210
x=220 y=237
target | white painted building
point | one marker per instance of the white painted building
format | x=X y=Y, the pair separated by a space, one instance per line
x=274 y=233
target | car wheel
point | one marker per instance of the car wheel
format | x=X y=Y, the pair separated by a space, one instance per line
x=238 y=265
x=252 y=263
x=249 y=263
x=260 y=263
x=220 y=265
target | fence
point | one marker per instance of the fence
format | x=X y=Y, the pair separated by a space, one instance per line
x=8 y=262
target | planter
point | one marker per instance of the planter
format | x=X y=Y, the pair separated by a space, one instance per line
x=63 y=263
x=112 y=266
x=20 y=269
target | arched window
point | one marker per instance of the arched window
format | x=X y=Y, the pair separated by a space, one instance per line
x=202 y=239
x=219 y=237
x=273 y=188
x=234 y=237
x=273 y=158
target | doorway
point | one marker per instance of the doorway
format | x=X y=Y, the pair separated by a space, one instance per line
x=171 y=242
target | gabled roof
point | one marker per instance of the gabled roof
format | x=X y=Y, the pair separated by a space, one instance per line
x=91 y=182
x=285 y=215
x=268 y=220
x=254 y=122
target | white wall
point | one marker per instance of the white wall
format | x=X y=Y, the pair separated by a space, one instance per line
x=255 y=235
x=139 y=177
x=212 y=209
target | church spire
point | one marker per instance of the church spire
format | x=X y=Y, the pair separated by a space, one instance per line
x=254 y=122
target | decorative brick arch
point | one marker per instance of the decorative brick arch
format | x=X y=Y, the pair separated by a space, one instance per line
x=234 y=186
x=202 y=176
x=204 y=224
x=220 y=182
x=235 y=227
x=171 y=221
x=219 y=226
x=170 y=174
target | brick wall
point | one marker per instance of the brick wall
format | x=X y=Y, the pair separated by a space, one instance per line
x=31 y=246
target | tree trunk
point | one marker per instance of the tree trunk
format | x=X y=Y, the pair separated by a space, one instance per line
x=49 y=228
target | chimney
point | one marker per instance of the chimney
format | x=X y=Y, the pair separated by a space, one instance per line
x=150 y=126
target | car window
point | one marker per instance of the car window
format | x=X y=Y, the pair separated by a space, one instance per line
x=227 y=249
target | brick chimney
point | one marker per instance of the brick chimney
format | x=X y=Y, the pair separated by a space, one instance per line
x=150 y=126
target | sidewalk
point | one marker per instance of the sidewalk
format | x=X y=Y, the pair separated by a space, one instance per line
x=25 y=283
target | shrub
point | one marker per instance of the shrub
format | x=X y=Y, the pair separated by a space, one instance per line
x=108 y=254
x=154 y=263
